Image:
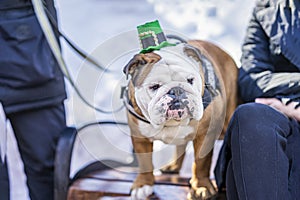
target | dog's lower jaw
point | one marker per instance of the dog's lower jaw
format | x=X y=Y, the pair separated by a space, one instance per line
x=173 y=122
x=165 y=122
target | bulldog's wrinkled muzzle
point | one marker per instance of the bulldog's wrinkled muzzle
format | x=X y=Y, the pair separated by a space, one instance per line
x=178 y=95
x=177 y=107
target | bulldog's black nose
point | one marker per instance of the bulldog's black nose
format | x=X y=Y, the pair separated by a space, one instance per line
x=176 y=92
x=175 y=104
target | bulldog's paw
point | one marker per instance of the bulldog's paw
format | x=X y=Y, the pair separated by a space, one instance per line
x=200 y=193
x=202 y=189
x=142 y=186
x=141 y=193
x=171 y=169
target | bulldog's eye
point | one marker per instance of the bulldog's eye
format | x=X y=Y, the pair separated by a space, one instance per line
x=190 y=81
x=154 y=87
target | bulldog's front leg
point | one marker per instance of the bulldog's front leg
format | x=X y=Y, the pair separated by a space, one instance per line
x=202 y=187
x=143 y=184
x=175 y=166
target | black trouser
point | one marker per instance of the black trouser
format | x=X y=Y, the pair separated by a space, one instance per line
x=265 y=155
x=37 y=132
x=4 y=184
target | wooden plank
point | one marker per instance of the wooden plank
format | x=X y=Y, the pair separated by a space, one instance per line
x=116 y=184
x=90 y=189
x=93 y=189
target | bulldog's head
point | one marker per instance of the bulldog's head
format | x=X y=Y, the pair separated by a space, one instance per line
x=168 y=85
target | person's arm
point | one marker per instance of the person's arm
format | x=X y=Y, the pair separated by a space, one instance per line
x=257 y=77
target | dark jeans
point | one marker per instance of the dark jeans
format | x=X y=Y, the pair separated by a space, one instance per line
x=264 y=155
x=37 y=132
x=4 y=184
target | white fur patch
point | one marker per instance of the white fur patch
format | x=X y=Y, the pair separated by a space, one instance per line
x=141 y=193
x=169 y=133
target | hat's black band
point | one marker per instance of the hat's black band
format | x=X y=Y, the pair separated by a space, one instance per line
x=152 y=41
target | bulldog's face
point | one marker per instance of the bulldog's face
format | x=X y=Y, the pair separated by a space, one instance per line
x=168 y=85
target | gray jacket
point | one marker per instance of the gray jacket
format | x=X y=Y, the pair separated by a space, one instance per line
x=29 y=74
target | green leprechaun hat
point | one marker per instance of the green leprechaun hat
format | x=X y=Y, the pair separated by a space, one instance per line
x=152 y=37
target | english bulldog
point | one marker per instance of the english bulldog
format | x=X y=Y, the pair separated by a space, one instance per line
x=180 y=93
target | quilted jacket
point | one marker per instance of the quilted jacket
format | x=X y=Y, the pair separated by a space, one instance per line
x=270 y=63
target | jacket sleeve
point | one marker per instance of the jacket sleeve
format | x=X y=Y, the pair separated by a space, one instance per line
x=257 y=75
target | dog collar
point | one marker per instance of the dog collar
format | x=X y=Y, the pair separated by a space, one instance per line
x=212 y=84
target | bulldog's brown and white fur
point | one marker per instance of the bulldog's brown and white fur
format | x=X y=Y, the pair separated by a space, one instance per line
x=167 y=90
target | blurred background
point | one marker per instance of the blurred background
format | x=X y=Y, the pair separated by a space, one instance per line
x=106 y=29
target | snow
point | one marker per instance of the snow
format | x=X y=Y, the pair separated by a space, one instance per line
x=106 y=29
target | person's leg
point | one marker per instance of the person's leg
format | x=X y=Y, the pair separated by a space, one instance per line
x=293 y=152
x=231 y=185
x=257 y=139
x=37 y=133
x=4 y=181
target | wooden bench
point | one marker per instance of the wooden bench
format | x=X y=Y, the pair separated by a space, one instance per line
x=116 y=184
x=107 y=179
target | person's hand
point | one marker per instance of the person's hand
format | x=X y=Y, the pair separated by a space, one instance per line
x=289 y=109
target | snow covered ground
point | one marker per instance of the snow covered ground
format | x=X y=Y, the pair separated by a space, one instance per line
x=107 y=30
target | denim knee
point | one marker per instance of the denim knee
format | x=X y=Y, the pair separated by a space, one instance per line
x=256 y=118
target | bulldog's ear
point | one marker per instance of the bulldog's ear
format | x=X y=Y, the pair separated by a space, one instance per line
x=140 y=60
x=192 y=52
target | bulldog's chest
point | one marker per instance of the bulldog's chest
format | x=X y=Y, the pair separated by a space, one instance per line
x=169 y=135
